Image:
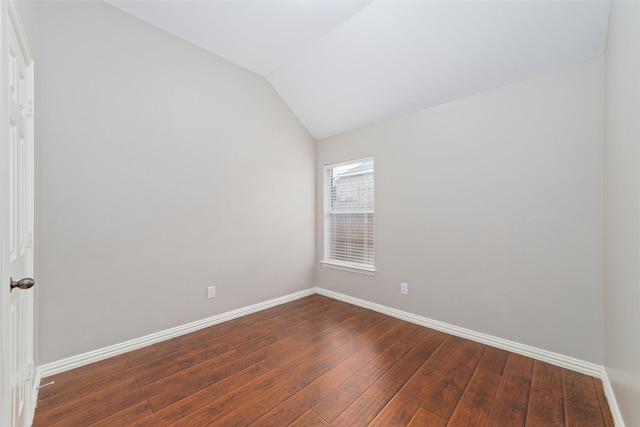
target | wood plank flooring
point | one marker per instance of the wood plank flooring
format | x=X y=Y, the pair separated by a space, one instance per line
x=319 y=362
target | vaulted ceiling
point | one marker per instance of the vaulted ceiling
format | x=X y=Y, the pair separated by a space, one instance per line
x=341 y=65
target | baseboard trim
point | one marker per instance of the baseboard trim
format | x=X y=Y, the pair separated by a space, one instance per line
x=563 y=361
x=587 y=368
x=611 y=399
x=73 y=362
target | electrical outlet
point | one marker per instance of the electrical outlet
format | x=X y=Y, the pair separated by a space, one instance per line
x=211 y=292
x=404 y=288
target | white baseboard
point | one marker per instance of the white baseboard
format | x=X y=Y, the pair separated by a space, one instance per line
x=571 y=363
x=563 y=361
x=611 y=398
x=557 y=359
x=73 y=362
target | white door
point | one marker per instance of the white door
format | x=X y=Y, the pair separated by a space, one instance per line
x=17 y=219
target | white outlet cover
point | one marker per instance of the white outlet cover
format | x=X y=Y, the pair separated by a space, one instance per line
x=211 y=292
x=404 y=288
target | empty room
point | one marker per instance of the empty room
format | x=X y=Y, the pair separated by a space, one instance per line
x=320 y=213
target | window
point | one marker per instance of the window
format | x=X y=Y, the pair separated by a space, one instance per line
x=349 y=215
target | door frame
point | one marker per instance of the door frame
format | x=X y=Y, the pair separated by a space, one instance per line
x=8 y=10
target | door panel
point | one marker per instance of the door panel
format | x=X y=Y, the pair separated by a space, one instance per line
x=20 y=212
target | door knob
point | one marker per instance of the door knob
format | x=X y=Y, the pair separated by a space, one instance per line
x=25 y=283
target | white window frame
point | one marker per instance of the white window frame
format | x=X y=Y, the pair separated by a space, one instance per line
x=329 y=262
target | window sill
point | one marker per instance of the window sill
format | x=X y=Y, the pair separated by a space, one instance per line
x=350 y=268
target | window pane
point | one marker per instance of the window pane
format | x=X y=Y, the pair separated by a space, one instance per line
x=350 y=213
x=352 y=237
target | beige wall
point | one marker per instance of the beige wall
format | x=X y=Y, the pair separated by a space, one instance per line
x=490 y=207
x=163 y=169
x=622 y=207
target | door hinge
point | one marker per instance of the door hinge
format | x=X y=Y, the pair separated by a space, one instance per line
x=30 y=370
x=30 y=239
x=30 y=108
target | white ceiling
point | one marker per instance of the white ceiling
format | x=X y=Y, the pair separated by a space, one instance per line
x=341 y=65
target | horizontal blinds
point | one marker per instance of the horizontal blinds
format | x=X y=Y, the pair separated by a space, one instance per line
x=351 y=213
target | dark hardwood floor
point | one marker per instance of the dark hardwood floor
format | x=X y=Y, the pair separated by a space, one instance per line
x=317 y=362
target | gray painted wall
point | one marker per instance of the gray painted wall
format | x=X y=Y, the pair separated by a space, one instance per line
x=490 y=207
x=622 y=207
x=162 y=169
x=27 y=10
x=154 y=157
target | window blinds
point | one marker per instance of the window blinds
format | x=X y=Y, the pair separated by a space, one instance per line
x=349 y=213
